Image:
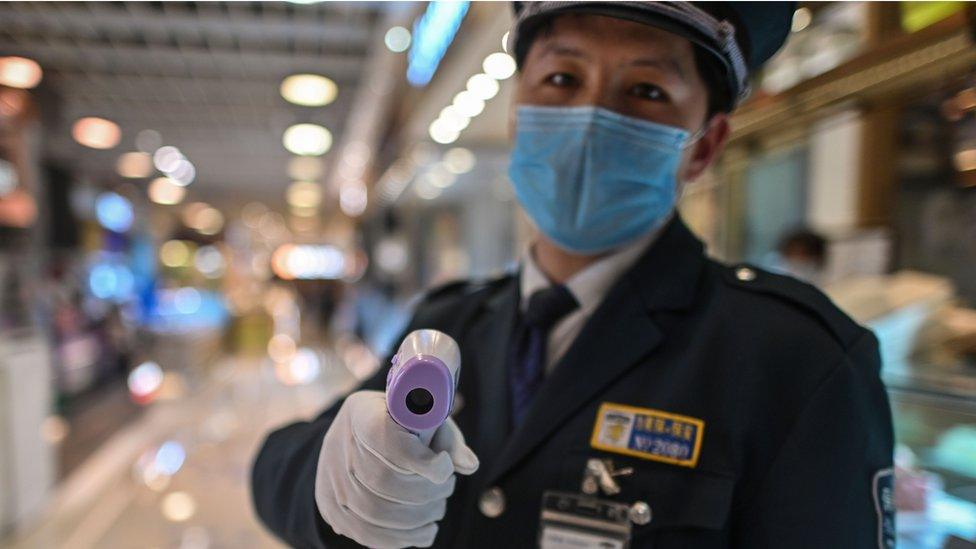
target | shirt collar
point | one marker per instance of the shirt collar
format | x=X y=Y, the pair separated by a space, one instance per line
x=589 y=285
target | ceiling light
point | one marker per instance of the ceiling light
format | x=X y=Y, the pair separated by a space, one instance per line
x=305 y=168
x=458 y=160
x=165 y=191
x=439 y=177
x=307 y=139
x=356 y=153
x=468 y=104
x=97 y=133
x=454 y=120
x=499 y=65
x=442 y=133
x=20 y=72
x=303 y=194
x=168 y=158
x=184 y=173
x=483 y=86
x=353 y=199
x=397 y=39
x=309 y=90
x=426 y=191
x=301 y=211
x=134 y=165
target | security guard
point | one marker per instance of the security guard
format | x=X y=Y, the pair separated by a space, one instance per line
x=621 y=388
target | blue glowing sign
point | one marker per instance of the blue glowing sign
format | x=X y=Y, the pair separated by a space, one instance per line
x=432 y=34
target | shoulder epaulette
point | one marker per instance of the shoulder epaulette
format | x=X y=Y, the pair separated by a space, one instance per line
x=804 y=296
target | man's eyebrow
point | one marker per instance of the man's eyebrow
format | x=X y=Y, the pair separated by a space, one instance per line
x=555 y=48
x=668 y=64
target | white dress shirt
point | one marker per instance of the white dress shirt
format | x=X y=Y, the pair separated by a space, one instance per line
x=588 y=286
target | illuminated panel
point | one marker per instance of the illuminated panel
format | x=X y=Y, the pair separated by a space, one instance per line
x=432 y=34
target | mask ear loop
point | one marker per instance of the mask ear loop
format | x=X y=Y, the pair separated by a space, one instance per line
x=693 y=138
x=689 y=142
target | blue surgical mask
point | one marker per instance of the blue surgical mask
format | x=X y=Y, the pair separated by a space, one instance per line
x=592 y=179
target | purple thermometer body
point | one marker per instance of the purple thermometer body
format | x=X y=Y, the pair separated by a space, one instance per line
x=421 y=382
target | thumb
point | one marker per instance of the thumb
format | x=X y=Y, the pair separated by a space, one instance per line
x=449 y=438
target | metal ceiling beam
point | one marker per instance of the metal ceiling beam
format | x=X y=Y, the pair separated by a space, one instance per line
x=150 y=25
x=192 y=62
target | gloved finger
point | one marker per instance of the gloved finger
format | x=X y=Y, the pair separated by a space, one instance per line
x=345 y=522
x=384 y=513
x=408 y=488
x=450 y=439
x=402 y=451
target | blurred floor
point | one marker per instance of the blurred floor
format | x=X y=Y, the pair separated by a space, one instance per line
x=107 y=502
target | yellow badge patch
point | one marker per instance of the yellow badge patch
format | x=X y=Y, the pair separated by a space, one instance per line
x=648 y=434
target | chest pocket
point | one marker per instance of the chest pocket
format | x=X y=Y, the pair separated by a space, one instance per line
x=679 y=498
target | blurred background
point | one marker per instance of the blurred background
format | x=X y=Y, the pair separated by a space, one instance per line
x=214 y=217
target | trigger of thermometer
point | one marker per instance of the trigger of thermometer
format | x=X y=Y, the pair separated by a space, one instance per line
x=421 y=382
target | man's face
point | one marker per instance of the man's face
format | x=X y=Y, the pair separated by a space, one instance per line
x=626 y=67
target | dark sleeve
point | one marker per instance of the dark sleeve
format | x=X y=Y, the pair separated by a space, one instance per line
x=826 y=486
x=283 y=478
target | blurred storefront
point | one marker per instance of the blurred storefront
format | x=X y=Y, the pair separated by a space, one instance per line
x=859 y=132
x=214 y=217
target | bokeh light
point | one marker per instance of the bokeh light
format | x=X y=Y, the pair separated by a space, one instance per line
x=303 y=194
x=397 y=39
x=499 y=65
x=165 y=191
x=307 y=139
x=483 y=86
x=178 y=506
x=458 y=160
x=96 y=133
x=20 y=72
x=174 y=253
x=134 y=165
x=144 y=381
x=305 y=168
x=114 y=212
x=309 y=90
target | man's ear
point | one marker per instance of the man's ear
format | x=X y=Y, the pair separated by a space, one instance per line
x=709 y=145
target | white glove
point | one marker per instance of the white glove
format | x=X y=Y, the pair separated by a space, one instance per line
x=378 y=484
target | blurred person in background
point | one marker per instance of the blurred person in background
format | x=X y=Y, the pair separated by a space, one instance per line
x=723 y=406
x=802 y=254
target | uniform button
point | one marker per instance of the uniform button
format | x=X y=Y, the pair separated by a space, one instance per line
x=745 y=274
x=492 y=502
x=640 y=513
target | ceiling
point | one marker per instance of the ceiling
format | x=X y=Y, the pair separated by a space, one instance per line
x=204 y=75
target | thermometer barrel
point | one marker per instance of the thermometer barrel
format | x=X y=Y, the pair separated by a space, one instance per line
x=422 y=380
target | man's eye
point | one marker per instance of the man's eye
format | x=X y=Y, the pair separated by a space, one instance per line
x=649 y=91
x=561 y=79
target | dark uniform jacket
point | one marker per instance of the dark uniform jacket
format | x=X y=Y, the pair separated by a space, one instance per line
x=795 y=420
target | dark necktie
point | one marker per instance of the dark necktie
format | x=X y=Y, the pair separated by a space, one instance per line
x=527 y=363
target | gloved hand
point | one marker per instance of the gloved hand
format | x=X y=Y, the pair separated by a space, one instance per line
x=378 y=484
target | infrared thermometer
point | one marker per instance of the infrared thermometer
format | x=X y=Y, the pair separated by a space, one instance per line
x=422 y=380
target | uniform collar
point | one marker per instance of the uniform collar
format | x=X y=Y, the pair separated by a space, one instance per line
x=590 y=285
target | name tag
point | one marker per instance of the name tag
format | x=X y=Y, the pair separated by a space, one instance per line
x=648 y=434
x=573 y=521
